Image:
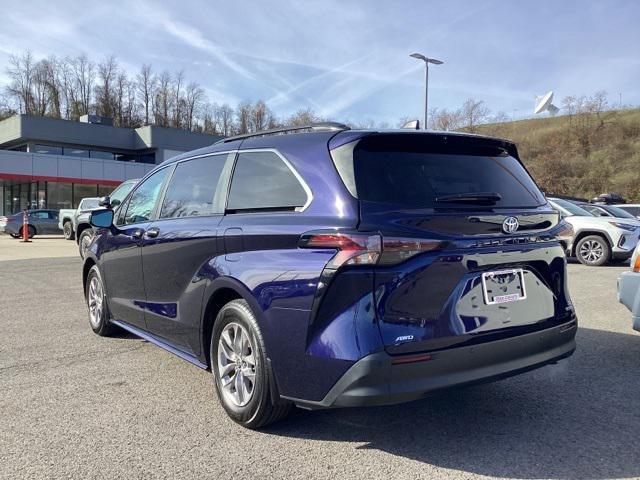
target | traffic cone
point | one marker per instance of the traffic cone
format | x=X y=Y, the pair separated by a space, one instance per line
x=25 y=228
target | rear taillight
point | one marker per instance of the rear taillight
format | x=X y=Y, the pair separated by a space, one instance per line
x=353 y=248
x=3 y=219
x=565 y=232
x=399 y=249
x=367 y=249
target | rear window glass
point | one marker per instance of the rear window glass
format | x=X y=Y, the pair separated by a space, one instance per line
x=90 y=204
x=413 y=172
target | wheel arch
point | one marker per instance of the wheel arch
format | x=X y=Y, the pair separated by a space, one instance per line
x=89 y=262
x=220 y=292
x=585 y=233
x=29 y=225
x=81 y=228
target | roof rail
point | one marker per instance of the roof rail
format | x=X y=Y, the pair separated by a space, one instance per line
x=320 y=126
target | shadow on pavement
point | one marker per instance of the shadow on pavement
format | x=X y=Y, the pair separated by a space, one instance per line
x=561 y=421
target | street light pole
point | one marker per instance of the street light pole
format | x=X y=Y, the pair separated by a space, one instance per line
x=426 y=61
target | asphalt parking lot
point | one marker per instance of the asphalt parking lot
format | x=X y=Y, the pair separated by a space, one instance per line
x=74 y=405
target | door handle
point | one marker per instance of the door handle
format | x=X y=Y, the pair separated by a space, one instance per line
x=152 y=232
x=137 y=233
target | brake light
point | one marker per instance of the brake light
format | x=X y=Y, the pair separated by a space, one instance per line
x=367 y=249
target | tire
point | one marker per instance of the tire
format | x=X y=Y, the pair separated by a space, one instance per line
x=14 y=235
x=84 y=240
x=97 y=304
x=67 y=230
x=31 y=232
x=593 y=250
x=253 y=407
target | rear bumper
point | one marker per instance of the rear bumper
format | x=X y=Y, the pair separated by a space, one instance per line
x=629 y=295
x=9 y=230
x=374 y=380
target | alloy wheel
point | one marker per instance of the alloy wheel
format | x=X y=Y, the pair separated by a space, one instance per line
x=591 y=251
x=84 y=245
x=95 y=300
x=236 y=364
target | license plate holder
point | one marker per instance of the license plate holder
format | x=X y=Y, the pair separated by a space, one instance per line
x=503 y=286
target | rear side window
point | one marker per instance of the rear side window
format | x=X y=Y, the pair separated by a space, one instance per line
x=262 y=180
x=193 y=186
x=414 y=172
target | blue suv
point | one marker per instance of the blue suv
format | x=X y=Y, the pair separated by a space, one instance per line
x=327 y=267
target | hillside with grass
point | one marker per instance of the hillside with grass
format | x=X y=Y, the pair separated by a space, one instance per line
x=581 y=155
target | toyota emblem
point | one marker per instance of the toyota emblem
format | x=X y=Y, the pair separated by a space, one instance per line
x=510 y=225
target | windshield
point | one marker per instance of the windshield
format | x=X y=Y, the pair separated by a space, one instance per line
x=413 y=172
x=617 y=212
x=571 y=208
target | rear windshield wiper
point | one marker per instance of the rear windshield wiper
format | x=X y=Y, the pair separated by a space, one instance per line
x=470 y=197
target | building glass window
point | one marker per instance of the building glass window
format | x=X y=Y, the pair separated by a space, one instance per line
x=59 y=195
x=147 y=158
x=101 y=154
x=126 y=157
x=75 y=152
x=48 y=149
x=81 y=191
x=104 y=190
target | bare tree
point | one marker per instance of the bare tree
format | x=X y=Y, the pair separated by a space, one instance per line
x=121 y=100
x=82 y=76
x=260 y=117
x=474 y=112
x=223 y=118
x=21 y=72
x=302 y=117
x=146 y=84
x=106 y=89
x=6 y=110
x=243 y=115
x=163 y=100
x=193 y=99
x=178 y=102
x=445 y=120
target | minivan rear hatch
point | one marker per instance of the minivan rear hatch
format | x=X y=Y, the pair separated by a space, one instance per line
x=497 y=268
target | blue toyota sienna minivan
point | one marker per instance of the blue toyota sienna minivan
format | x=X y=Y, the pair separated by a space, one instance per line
x=326 y=267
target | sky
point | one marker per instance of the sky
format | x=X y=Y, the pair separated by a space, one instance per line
x=348 y=60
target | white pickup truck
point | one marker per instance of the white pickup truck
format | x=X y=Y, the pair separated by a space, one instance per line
x=67 y=219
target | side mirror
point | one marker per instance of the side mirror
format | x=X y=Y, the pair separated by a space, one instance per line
x=101 y=218
x=115 y=202
x=105 y=201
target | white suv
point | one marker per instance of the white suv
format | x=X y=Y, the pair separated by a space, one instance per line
x=597 y=240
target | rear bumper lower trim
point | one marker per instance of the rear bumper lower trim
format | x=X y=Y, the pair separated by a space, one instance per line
x=374 y=380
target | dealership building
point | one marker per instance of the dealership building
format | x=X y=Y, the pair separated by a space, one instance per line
x=53 y=163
